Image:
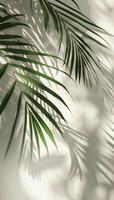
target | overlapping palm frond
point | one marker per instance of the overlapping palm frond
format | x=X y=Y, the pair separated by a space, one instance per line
x=105 y=159
x=109 y=138
x=79 y=35
x=77 y=30
x=26 y=67
x=99 y=166
x=19 y=58
x=78 y=143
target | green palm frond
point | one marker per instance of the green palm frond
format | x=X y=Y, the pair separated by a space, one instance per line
x=26 y=65
x=77 y=30
x=29 y=84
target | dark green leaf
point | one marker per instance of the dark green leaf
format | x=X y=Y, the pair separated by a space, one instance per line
x=40 y=85
x=35 y=72
x=7 y=36
x=31 y=137
x=37 y=124
x=43 y=98
x=24 y=131
x=8 y=25
x=7 y=97
x=48 y=115
x=34 y=122
x=8 y=17
x=3 y=69
x=14 y=124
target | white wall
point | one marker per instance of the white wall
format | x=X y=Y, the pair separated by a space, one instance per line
x=88 y=115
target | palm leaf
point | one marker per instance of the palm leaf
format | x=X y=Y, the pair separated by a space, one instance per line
x=27 y=80
x=24 y=131
x=14 y=124
x=79 y=55
x=7 y=98
x=38 y=127
x=3 y=69
x=43 y=111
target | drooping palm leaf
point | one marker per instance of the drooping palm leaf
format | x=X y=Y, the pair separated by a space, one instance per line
x=15 y=123
x=20 y=56
x=79 y=34
x=27 y=80
x=3 y=69
x=7 y=97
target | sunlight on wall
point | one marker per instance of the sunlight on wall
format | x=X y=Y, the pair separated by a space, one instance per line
x=87 y=115
x=2 y=60
x=49 y=171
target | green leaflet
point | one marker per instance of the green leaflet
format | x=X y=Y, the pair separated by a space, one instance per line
x=78 y=22
x=45 y=13
x=85 y=34
x=61 y=33
x=14 y=43
x=24 y=131
x=34 y=122
x=3 y=69
x=77 y=14
x=8 y=25
x=14 y=124
x=40 y=85
x=72 y=57
x=68 y=47
x=76 y=4
x=28 y=52
x=65 y=19
x=42 y=75
x=31 y=137
x=57 y=23
x=43 y=98
x=7 y=97
x=53 y=14
x=8 y=17
x=7 y=36
x=22 y=59
x=37 y=125
x=41 y=64
x=47 y=114
x=45 y=128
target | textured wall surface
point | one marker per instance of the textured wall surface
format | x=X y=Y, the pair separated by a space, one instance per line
x=47 y=178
